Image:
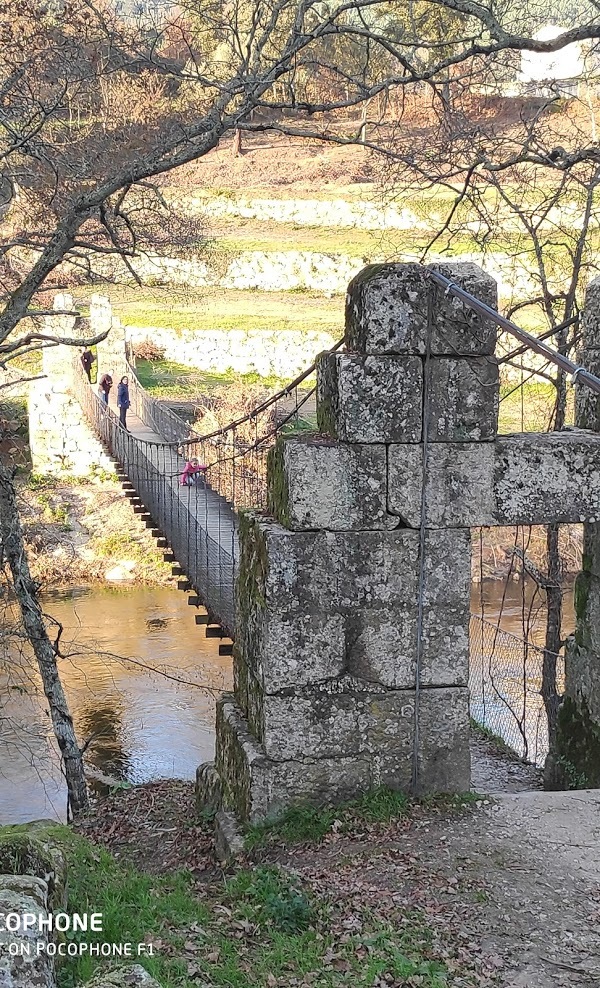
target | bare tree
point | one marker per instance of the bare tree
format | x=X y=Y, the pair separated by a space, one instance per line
x=13 y=552
x=522 y=182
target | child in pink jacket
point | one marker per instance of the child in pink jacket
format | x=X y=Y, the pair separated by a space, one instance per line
x=192 y=472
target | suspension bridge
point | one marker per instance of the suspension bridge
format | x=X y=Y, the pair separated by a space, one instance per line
x=197 y=525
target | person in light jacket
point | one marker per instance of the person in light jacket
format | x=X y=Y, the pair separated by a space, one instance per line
x=123 y=402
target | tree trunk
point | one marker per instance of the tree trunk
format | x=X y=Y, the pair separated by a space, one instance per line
x=363 y=123
x=25 y=589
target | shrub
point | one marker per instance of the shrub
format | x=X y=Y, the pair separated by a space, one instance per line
x=148 y=350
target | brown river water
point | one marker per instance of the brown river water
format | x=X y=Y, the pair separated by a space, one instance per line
x=144 y=725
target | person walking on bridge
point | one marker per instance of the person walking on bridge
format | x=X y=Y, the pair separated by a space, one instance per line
x=104 y=385
x=87 y=359
x=123 y=401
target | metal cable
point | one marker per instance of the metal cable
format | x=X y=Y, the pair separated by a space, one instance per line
x=422 y=535
x=578 y=374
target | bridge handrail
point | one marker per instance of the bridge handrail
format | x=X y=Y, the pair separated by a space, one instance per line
x=249 y=416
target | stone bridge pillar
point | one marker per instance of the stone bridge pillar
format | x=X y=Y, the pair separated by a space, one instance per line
x=61 y=442
x=352 y=626
x=110 y=351
x=576 y=761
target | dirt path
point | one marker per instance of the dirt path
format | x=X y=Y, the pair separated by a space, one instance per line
x=496 y=771
x=506 y=889
x=505 y=892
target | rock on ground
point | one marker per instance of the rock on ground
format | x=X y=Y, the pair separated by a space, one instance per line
x=124 y=977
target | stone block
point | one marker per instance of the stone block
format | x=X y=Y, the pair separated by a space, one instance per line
x=26 y=968
x=444 y=760
x=591 y=548
x=590 y=317
x=319 y=483
x=299 y=626
x=575 y=758
x=229 y=837
x=292 y=571
x=209 y=792
x=348 y=717
x=381 y=645
x=388 y=307
x=460 y=484
x=459 y=329
x=582 y=675
x=587 y=402
x=541 y=478
x=464 y=396
x=130 y=976
x=525 y=479
x=296 y=649
x=370 y=399
x=257 y=788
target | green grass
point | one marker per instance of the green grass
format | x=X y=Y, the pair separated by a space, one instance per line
x=306 y=823
x=212 y=309
x=529 y=408
x=167 y=379
x=261 y=927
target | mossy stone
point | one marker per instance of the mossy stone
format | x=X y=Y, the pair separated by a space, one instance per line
x=576 y=760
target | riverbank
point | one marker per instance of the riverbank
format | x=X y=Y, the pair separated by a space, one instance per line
x=387 y=892
x=85 y=532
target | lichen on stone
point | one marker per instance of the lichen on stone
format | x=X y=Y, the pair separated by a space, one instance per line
x=577 y=751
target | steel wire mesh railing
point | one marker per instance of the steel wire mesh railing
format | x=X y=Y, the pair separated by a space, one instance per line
x=505 y=678
x=236 y=455
x=199 y=520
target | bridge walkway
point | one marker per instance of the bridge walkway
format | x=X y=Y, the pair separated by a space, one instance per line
x=199 y=524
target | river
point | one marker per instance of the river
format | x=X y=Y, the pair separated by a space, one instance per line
x=143 y=724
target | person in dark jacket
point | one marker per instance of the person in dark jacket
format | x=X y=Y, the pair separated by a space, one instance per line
x=87 y=359
x=123 y=402
x=104 y=385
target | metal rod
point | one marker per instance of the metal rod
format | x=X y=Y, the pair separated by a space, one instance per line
x=580 y=374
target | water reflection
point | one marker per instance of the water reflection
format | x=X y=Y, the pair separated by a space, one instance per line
x=142 y=725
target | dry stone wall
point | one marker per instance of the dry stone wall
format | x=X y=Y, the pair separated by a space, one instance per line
x=278 y=353
x=61 y=441
x=269 y=271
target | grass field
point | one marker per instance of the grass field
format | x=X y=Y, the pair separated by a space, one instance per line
x=169 y=380
x=218 y=308
x=529 y=409
x=257 y=926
